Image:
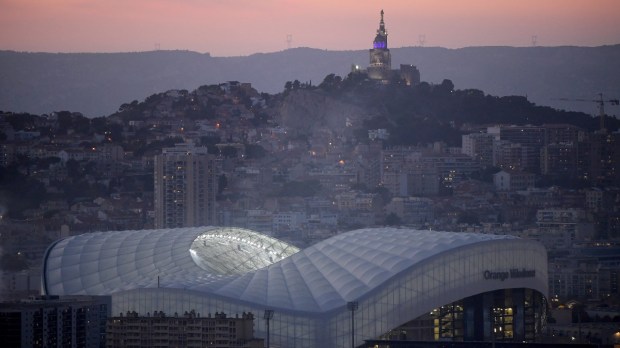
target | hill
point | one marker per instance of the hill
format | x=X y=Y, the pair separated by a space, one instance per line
x=96 y=83
x=412 y=115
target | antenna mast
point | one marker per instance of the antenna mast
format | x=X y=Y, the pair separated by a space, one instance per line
x=289 y=40
x=422 y=40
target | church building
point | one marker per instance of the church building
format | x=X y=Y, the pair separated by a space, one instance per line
x=380 y=68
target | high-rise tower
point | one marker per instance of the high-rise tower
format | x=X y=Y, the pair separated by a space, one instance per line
x=380 y=58
x=184 y=187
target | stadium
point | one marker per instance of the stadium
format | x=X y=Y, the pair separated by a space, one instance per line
x=364 y=284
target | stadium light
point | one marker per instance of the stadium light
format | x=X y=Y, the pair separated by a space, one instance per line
x=352 y=306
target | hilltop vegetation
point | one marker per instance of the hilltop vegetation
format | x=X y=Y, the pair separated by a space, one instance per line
x=414 y=115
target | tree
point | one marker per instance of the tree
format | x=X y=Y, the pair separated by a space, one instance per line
x=383 y=193
x=330 y=82
x=21 y=121
x=209 y=142
x=156 y=146
x=255 y=151
x=99 y=124
x=73 y=169
x=13 y=262
x=446 y=87
x=22 y=192
x=45 y=163
x=392 y=220
x=115 y=132
x=64 y=121
x=229 y=151
x=469 y=218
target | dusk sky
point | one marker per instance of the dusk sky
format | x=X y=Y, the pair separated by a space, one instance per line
x=243 y=27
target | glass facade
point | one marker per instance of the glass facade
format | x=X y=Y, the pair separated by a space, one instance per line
x=514 y=315
x=451 y=286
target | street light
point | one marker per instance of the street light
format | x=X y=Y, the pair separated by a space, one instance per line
x=495 y=331
x=352 y=306
x=268 y=316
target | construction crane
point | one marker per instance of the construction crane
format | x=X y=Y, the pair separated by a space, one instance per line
x=601 y=106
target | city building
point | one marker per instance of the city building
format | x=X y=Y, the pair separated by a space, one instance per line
x=561 y=133
x=601 y=155
x=190 y=330
x=288 y=220
x=411 y=210
x=512 y=180
x=507 y=155
x=589 y=271
x=409 y=74
x=561 y=228
x=530 y=138
x=368 y=164
x=422 y=179
x=259 y=220
x=53 y=321
x=559 y=160
x=569 y=278
x=185 y=187
x=479 y=146
x=450 y=166
x=407 y=171
x=354 y=200
x=358 y=285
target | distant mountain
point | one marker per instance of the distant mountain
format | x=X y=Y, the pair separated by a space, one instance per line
x=97 y=83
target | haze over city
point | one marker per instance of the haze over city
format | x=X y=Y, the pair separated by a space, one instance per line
x=260 y=174
x=243 y=27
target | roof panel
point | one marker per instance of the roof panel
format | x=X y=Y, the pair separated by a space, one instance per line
x=246 y=266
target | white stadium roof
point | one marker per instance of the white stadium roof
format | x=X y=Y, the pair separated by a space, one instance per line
x=245 y=266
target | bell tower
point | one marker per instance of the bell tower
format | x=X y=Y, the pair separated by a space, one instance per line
x=380 y=58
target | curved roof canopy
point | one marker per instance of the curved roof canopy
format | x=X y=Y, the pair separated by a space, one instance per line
x=246 y=266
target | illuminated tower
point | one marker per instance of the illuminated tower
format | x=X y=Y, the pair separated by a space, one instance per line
x=380 y=58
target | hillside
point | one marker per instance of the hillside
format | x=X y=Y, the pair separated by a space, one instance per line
x=413 y=115
x=96 y=83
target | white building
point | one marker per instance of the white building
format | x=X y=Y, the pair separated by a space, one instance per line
x=388 y=276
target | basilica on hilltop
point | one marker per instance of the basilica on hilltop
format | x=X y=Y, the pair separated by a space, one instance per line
x=380 y=68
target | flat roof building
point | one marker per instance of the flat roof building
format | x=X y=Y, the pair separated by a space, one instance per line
x=53 y=321
x=189 y=329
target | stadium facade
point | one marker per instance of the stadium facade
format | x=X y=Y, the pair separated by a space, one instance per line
x=363 y=284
